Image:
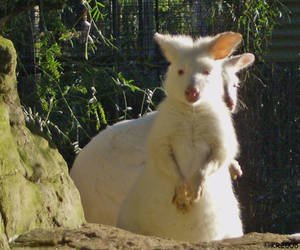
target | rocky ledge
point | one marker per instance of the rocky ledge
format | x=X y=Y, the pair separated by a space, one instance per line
x=93 y=236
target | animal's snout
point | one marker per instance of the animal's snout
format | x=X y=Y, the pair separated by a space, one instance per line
x=192 y=94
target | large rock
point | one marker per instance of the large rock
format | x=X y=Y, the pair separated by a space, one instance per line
x=35 y=188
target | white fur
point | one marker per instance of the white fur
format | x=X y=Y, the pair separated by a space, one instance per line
x=295 y=237
x=120 y=150
x=231 y=81
x=191 y=144
x=107 y=167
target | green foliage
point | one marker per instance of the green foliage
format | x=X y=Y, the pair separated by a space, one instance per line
x=96 y=10
x=49 y=54
x=257 y=21
x=81 y=97
x=172 y=23
x=78 y=95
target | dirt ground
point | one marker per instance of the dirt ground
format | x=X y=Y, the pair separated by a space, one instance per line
x=93 y=236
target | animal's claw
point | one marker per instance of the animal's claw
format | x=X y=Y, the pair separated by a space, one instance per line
x=185 y=195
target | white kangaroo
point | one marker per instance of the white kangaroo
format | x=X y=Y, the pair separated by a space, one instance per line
x=107 y=167
x=185 y=192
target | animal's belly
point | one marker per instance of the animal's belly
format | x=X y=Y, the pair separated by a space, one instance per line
x=150 y=210
x=190 y=154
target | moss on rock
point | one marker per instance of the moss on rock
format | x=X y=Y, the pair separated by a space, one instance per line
x=35 y=188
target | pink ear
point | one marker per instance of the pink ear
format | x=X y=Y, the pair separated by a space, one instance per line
x=247 y=59
x=224 y=44
x=240 y=62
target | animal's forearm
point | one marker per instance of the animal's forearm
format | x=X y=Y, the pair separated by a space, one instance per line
x=163 y=157
x=235 y=169
x=175 y=162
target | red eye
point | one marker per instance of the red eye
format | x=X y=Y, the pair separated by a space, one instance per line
x=180 y=72
x=206 y=72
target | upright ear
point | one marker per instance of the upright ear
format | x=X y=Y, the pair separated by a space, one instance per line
x=224 y=44
x=171 y=46
x=241 y=61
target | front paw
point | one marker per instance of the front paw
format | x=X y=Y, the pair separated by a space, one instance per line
x=235 y=169
x=185 y=195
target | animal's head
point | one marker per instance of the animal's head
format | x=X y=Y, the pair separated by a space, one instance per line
x=195 y=71
x=231 y=67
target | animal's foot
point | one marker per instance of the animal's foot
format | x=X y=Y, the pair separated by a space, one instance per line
x=184 y=196
x=235 y=169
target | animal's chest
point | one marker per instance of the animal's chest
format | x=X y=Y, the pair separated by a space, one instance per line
x=191 y=145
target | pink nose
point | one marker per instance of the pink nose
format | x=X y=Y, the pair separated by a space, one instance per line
x=192 y=94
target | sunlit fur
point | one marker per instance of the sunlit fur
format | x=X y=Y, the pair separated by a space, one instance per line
x=108 y=166
x=201 y=137
x=119 y=153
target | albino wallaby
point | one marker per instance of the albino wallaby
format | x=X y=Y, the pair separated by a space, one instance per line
x=119 y=153
x=190 y=146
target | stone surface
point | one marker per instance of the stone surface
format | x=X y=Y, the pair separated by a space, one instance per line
x=94 y=236
x=35 y=188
